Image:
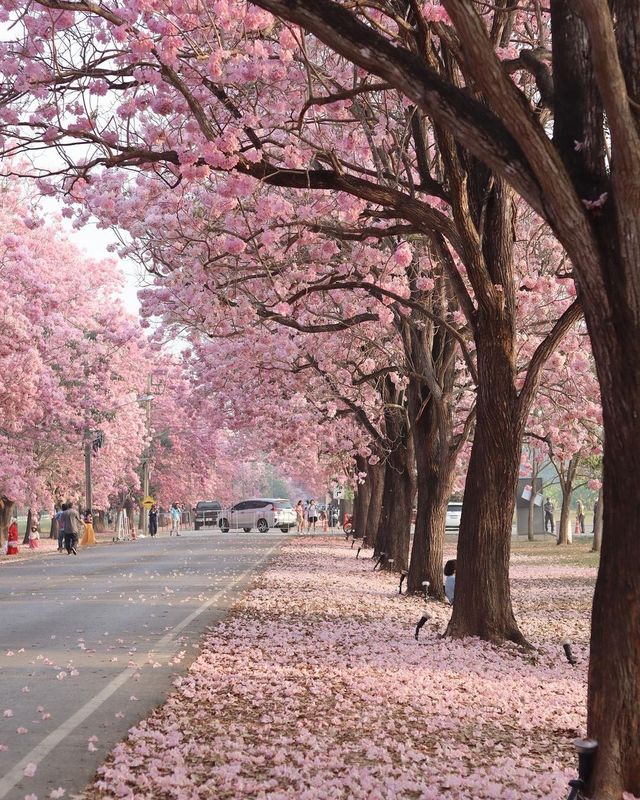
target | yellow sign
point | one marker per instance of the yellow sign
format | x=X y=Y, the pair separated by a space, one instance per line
x=148 y=502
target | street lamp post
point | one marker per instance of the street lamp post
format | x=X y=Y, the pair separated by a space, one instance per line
x=88 y=480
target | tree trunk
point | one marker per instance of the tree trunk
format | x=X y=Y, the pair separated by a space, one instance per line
x=6 y=510
x=435 y=472
x=376 y=475
x=614 y=662
x=28 y=528
x=566 y=478
x=395 y=519
x=53 y=529
x=394 y=530
x=597 y=525
x=361 y=499
x=564 y=528
x=483 y=597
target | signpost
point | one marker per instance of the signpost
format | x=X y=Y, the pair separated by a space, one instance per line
x=148 y=502
x=338 y=493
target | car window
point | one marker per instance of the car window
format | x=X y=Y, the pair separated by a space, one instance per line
x=240 y=506
x=260 y=504
x=455 y=506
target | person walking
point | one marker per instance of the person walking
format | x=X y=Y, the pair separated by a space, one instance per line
x=89 y=535
x=153 y=520
x=175 y=519
x=580 y=514
x=60 y=523
x=72 y=529
x=549 y=524
x=312 y=515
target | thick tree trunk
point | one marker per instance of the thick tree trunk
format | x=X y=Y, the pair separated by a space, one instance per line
x=53 y=529
x=395 y=519
x=6 y=510
x=614 y=662
x=376 y=474
x=394 y=530
x=361 y=499
x=597 y=525
x=483 y=597
x=435 y=472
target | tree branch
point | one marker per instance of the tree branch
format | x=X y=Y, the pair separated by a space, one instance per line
x=570 y=316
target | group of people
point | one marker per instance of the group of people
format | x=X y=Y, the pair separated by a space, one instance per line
x=73 y=530
x=309 y=516
x=549 y=521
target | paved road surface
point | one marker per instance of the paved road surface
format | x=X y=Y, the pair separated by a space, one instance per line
x=90 y=644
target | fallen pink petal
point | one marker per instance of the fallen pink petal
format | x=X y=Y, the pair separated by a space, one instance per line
x=315 y=687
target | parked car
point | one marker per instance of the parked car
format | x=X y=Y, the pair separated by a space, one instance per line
x=454 y=512
x=207 y=513
x=261 y=513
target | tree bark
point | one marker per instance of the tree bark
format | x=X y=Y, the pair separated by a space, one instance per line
x=376 y=475
x=566 y=478
x=25 y=540
x=614 y=662
x=53 y=529
x=483 y=597
x=435 y=466
x=394 y=531
x=564 y=526
x=361 y=499
x=6 y=510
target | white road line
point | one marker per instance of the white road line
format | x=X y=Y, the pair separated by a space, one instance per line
x=42 y=750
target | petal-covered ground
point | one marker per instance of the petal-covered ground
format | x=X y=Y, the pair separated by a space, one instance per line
x=316 y=688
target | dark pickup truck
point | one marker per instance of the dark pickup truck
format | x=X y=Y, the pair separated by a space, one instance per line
x=206 y=515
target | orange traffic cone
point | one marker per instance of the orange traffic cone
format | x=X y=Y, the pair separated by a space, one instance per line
x=577 y=528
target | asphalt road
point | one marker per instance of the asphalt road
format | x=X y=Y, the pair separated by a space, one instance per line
x=90 y=644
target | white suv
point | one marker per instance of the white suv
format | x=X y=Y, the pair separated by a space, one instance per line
x=261 y=513
x=454 y=514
